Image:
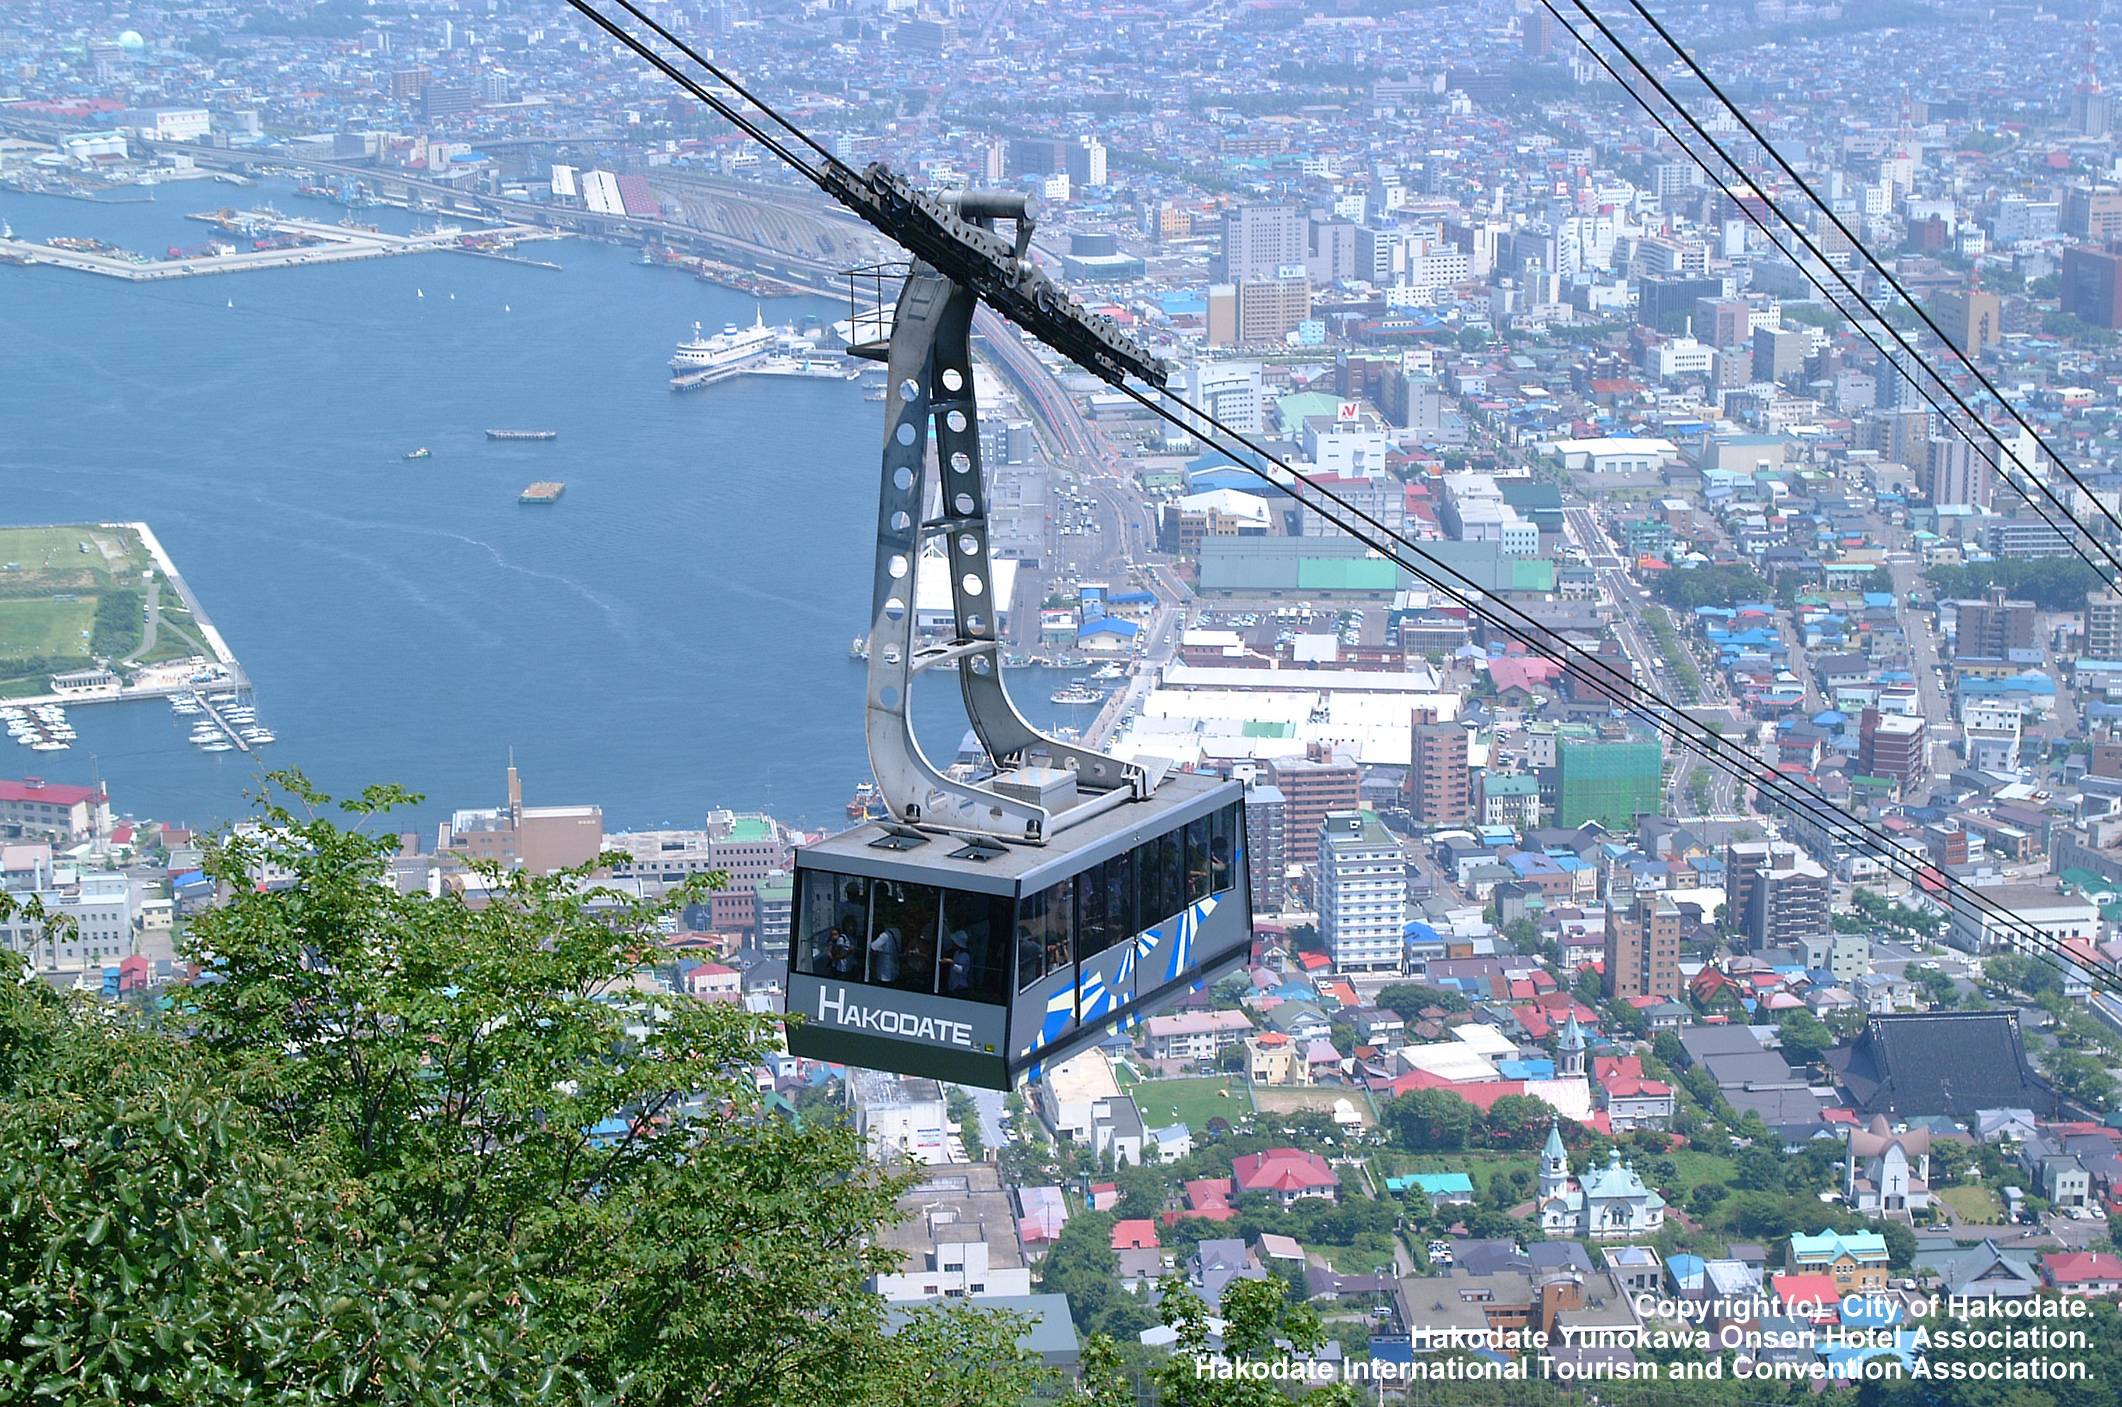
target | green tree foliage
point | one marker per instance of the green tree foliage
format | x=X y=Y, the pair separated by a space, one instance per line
x=2052 y=583
x=1428 y=1120
x=1711 y=586
x=1805 y=1037
x=412 y=1148
x=1407 y=999
x=118 y=625
x=1259 y=1326
x=1081 y=1264
x=1517 y=1121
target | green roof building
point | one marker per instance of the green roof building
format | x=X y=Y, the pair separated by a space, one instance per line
x=1611 y=783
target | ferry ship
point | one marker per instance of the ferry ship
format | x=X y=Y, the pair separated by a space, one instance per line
x=523 y=434
x=863 y=802
x=727 y=350
x=1078 y=691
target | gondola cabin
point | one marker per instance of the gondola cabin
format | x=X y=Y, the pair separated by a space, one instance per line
x=981 y=963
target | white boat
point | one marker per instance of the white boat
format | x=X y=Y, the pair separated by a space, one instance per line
x=1108 y=671
x=259 y=737
x=1078 y=691
x=731 y=347
x=218 y=747
x=48 y=745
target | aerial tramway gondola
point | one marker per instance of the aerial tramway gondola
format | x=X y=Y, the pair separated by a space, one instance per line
x=992 y=927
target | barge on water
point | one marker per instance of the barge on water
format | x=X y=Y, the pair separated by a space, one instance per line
x=544 y=491
x=523 y=434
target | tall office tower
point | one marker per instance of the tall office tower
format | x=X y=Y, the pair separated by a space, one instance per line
x=1260 y=242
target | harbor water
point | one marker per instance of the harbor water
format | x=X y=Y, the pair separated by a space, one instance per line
x=670 y=636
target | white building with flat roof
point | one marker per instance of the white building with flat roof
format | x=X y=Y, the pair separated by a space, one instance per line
x=1069 y=1093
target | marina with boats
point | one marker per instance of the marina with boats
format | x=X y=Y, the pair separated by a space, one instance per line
x=226 y=721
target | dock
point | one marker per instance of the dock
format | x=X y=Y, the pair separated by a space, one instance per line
x=228 y=729
x=327 y=244
x=818 y=368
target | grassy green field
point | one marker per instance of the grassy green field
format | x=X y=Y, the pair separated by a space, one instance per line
x=46 y=627
x=51 y=579
x=1190 y=1102
x=1973 y=1203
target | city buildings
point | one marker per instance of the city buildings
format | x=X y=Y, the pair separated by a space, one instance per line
x=1775 y=894
x=1643 y=947
x=1362 y=893
x=1439 y=783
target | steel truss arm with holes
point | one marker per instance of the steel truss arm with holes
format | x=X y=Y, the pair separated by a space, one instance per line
x=930 y=360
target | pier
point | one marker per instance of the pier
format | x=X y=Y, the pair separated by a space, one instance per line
x=328 y=244
x=228 y=729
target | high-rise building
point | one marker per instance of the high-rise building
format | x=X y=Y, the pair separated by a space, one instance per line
x=2094 y=215
x=1439 y=783
x=1993 y=627
x=1311 y=787
x=2092 y=286
x=409 y=83
x=1222 y=316
x=1035 y=156
x=1894 y=746
x=1539 y=34
x=446 y=100
x=1723 y=322
x=1958 y=475
x=1613 y=783
x=1643 y=948
x=1267 y=845
x=1232 y=392
x=1775 y=893
x=1779 y=355
x=1362 y=893
x=2103 y=626
x=1270 y=309
x=1263 y=241
x=1086 y=162
x=1897 y=378
x=1973 y=319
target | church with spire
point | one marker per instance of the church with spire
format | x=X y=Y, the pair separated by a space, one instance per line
x=1570 y=1048
x=1609 y=1203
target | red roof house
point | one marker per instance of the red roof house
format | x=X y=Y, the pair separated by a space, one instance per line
x=1285 y=1174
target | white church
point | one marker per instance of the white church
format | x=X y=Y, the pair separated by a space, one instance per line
x=1606 y=1204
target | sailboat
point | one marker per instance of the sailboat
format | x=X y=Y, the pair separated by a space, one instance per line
x=419 y=293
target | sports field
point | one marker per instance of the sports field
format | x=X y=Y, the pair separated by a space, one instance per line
x=53 y=580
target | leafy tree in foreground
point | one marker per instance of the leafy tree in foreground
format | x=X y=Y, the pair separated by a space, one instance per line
x=437 y=1149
